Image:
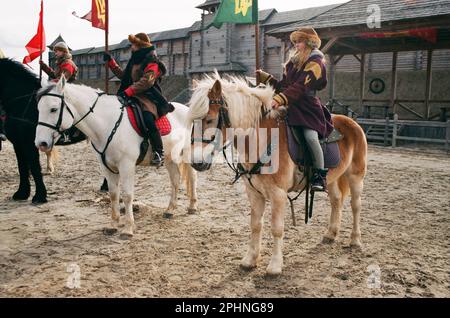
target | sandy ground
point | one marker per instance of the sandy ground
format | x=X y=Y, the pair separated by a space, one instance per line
x=405 y=231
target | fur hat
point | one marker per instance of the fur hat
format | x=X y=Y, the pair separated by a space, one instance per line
x=61 y=46
x=141 y=40
x=307 y=35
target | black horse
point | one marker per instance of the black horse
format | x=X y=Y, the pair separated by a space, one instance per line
x=18 y=87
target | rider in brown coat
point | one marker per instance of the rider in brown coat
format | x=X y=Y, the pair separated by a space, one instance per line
x=140 y=80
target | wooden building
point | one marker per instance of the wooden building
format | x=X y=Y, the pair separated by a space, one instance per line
x=385 y=52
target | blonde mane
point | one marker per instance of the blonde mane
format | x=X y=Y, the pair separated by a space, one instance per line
x=245 y=104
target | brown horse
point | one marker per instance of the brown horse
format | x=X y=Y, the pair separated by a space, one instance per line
x=231 y=103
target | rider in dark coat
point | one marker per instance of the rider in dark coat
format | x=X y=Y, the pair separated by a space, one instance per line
x=140 y=80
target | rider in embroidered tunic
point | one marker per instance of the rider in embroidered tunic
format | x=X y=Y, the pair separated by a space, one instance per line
x=304 y=75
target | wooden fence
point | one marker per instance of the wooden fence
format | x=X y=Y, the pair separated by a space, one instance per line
x=389 y=131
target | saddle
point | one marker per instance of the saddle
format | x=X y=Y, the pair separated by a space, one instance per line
x=299 y=152
x=136 y=118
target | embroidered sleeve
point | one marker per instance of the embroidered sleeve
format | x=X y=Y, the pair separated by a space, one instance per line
x=67 y=70
x=48 y=70
x=307 y=81
x=151 y=73
x=115 y=68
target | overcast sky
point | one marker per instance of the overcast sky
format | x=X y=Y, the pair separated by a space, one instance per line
x=19 y=19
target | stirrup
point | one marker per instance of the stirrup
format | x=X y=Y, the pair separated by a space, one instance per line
x=157 y=159
x=319 y=182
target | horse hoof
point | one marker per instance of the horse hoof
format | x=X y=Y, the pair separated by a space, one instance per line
x=168 y=215
x=191 y=211
x=39 y=200
x=273 y=273
x=328 y=241
x=247 y=267
x=109 y=231
x=126 y=236
x=356 y=246
x=20 y=196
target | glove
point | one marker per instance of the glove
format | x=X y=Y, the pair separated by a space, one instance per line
x=123 y=98
x=264 y=77
x=106 y=57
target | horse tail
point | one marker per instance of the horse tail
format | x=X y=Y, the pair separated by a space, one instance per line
x=185 y=176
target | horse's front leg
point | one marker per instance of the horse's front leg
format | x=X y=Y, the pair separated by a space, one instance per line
x=258 y=204
x=127 y=173
x=41 y=192
x=51 y=155
x=113 y=181
x=191 y=185
x=278 y=199
x=23 y=192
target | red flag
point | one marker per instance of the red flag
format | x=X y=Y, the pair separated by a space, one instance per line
x=97 y=15
x=37 y=44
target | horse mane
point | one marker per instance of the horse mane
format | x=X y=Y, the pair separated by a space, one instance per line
x=11 y=68
x=246 y=104
x=48 y=88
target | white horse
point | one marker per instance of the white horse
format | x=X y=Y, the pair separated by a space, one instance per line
x=64 y=105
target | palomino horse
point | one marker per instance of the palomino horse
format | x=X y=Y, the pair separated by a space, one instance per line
x=230 y=103
x=99 y=117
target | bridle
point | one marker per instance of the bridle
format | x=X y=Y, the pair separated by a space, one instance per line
x=57 y=126
x=223 y=122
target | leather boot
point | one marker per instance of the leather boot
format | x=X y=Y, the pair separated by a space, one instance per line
x=319 y=180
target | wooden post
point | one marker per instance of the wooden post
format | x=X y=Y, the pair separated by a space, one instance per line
x=447 y=136
x=394 y=131
x=362 y=84
x=392 y=103
x=386 y=132
x=428 y=87
x=106 y=45
x=258 y=66
x=332 y=78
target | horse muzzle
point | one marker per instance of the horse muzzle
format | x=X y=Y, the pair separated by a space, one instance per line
x=44 y=146
x=201 y=167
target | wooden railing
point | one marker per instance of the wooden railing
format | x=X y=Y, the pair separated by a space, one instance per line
x=389 y=134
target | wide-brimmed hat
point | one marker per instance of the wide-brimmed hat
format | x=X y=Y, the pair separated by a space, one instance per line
x=141 y=40
x=307 y=35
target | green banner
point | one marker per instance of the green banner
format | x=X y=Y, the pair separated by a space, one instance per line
x=236 y=11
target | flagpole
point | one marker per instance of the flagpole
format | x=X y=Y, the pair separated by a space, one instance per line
x=106 y=45
x=40 y=41
x=257 y=49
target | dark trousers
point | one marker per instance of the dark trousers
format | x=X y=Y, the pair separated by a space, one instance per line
x=152 y=132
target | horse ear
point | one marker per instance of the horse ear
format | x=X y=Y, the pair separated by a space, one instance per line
x=62 y=83
x=217 y=88
x=194 y=83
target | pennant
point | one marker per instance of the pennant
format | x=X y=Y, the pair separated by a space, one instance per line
x=97 y=15
x=236 y=11
x=37 y=44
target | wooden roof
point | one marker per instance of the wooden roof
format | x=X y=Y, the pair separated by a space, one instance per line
x=287 y=17
x=347 y=25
